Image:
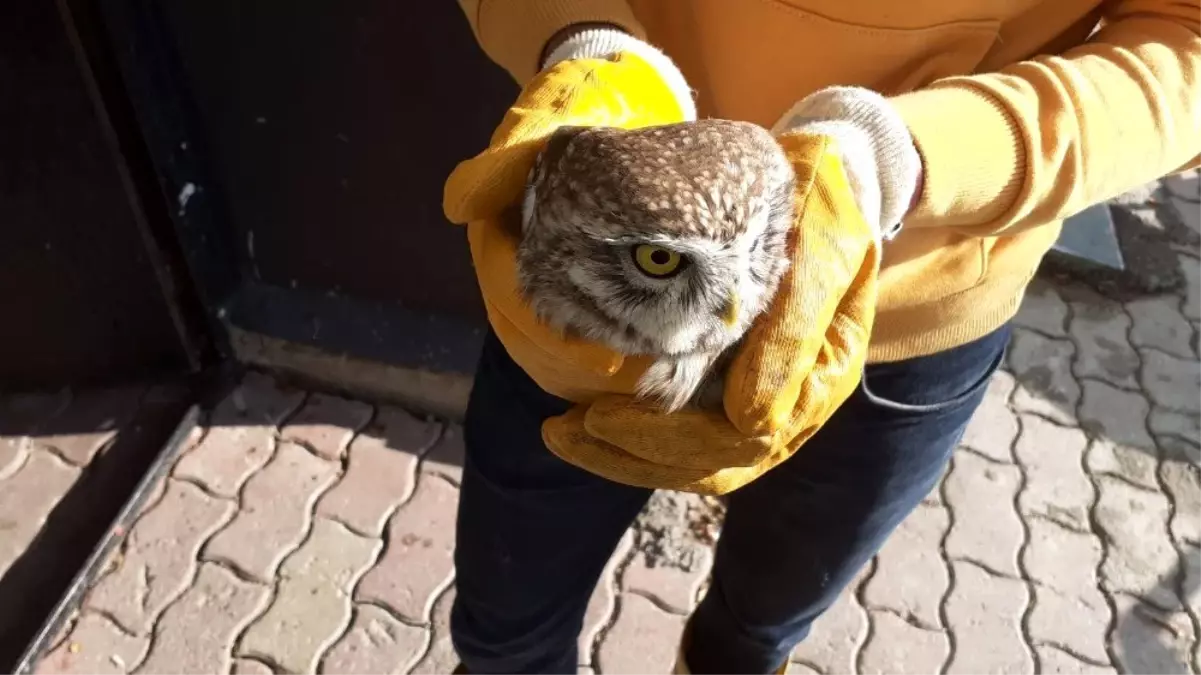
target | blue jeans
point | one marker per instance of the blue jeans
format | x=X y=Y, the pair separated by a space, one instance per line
x=534 y=532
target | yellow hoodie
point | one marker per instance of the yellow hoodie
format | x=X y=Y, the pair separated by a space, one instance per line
x=1022 y=114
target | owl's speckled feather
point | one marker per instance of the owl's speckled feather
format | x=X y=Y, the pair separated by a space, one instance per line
x=718 y=193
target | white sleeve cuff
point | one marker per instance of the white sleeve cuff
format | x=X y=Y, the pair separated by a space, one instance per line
x=596 y=43
x=880 y=158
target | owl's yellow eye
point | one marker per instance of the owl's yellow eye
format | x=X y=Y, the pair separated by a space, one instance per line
x=657 y=261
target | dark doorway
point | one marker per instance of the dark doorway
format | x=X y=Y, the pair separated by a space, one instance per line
x=311 y=141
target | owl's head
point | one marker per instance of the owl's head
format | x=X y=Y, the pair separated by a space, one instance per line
x=666 y=240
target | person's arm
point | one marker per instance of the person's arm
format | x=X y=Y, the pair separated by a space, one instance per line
x=1046 y=138
x=516 y=33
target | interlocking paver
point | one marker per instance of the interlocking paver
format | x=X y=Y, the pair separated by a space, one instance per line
x=276 y=504
x=1188 y=210
x=1183 y=483
x=1173 y=423
x=326 y=424
x=985 y=526
x=1042 y=367
x=226 y=457
x=897 y=647
x=158 y=558
x=1116 y=414
x=1135 y=524
x=258 y=399
x=239 y=436
x=418 y=559
x=602 y=603
x=984 y=613
x=1053 y=459
x=152 y=497
x=381 y=471
x=95 y=645
x=446 y=457
x=1190 y=267
x=1191 y=562
x=440 y=658
x=642 y=640
x=1069 y=610
x=1043 y=310
x=1136 y=465
x=934 y=496
x=26 y=500
x=251 y=667
x=1169 y=423
x=1158 y=323
x=837 y=635
x=196 y=633
x=994 y=426
x=90 y=422
x=375 y=643
x=1052 y=660
x=673 y=587
x=1171 y=382
x=312 y=600
x=1099 y=330
x=1185 y=185
x=1149 y=640
x=911 y=576
x=1118 y=419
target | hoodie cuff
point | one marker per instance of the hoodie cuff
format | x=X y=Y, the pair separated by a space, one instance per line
x=972 y=152
x=514 y=33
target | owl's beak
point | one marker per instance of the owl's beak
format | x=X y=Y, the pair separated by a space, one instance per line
x=730 y=314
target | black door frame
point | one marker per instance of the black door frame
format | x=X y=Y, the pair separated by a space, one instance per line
x=132 y=40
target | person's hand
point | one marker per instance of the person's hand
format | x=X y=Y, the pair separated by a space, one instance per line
x=798 y=364
x=598 y=77
x=878 y=152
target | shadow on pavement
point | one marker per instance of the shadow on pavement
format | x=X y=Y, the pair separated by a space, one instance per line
x=1079 y=348
x=1138 y=637
x=108 y=438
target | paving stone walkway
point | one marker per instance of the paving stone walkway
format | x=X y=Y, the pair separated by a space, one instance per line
x=301 y=532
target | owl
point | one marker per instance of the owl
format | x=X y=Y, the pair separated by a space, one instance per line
x=664 y=241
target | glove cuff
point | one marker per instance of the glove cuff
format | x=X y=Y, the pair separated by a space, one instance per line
x=599 y=43
x=879 y=155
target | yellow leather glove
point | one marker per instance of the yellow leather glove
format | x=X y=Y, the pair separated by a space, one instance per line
x=798 y=364
x=483 y=192
x=800 y=361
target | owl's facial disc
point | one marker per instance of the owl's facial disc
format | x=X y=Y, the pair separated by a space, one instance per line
x=687 y=291
x=730 y=314
x=659 y=262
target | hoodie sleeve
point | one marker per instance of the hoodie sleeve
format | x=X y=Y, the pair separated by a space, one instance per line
x=1048 y=137
x=514 y=33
